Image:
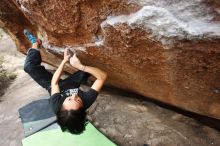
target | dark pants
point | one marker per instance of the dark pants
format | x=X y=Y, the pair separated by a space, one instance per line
x=38 y=72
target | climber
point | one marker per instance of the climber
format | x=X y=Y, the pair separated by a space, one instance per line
x=67 y=101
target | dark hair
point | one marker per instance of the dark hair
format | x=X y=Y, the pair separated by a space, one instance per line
x=72 y=120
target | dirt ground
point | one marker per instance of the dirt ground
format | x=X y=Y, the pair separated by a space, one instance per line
x=127 y=119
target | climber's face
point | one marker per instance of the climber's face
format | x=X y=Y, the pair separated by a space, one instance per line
x=73 y=102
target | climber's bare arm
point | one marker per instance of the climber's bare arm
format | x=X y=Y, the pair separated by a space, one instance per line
x=56 y=76
x=55 y=79
x=100 y=75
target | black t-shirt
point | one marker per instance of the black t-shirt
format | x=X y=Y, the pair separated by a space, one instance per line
x=88 y=97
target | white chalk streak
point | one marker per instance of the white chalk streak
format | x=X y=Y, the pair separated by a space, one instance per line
x=163 y=25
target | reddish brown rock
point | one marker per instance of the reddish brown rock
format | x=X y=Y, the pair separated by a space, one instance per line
x=168 y=51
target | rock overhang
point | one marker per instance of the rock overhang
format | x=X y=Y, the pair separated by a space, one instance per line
x=166 y=50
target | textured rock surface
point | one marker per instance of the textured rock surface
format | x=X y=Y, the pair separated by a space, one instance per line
x=113 y=113
x=166 y=50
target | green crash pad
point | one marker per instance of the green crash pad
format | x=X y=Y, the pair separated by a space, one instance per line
x=55 y=137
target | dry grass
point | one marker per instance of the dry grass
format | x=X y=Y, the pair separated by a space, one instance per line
x=5 y=77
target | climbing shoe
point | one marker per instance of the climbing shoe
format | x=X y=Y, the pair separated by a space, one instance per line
x=31 y=37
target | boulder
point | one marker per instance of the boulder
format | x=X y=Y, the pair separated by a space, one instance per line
x=165 y=50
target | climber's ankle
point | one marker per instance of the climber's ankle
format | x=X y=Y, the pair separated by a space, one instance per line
x=35 y=45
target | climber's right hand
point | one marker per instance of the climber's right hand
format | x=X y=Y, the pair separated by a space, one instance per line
x=75 y=62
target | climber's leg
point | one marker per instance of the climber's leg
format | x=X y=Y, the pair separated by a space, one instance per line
x=34 y=68
x=33 y=64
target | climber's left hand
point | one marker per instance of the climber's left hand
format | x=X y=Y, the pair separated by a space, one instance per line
x=66 y=55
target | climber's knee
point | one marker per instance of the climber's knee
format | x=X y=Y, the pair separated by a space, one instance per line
x=27 y=68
